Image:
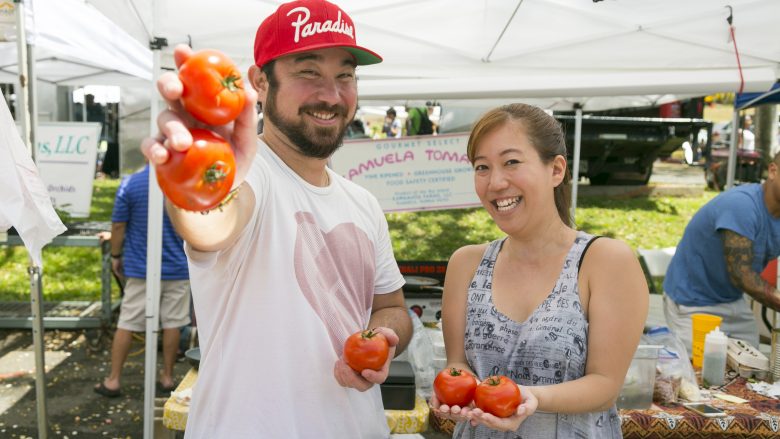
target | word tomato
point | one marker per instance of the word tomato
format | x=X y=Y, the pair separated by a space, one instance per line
x=200 y=177
x=366 y=350
x=455 y=387
x=498 y=395
x=213 y=91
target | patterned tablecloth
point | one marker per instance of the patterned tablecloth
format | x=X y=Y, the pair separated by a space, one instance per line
x=757 y=418
x=399 y=421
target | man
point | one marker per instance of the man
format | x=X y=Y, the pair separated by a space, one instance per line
x=724 y=248
x=301 y=258
x=418 y=121
x=128 y=261
x=392 y=126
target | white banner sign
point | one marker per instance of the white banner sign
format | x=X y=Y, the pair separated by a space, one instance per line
x=66 y=157
x=411 y=173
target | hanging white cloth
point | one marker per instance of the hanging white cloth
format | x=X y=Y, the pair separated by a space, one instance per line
x=24 y=201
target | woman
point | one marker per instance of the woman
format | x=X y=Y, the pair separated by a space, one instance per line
x=530 y=306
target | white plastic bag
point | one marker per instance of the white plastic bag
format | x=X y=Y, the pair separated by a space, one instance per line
x=674 y=367
x=420 y=354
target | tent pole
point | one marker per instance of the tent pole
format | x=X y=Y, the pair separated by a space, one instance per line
x=23 y=116
x=732 y=163
x=22 y=111
x=153 y=257
x=32 y=103
x=575 y=169
x=36 y=300
x=501 y=35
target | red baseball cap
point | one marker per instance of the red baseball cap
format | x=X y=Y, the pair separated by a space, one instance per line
x=304 y=25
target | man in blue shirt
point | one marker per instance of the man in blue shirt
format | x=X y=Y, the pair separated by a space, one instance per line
x=128 y=261
x=724 y=248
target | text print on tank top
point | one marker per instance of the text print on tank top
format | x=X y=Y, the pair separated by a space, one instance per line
x=540 y=350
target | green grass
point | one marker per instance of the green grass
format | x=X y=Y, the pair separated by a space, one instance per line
x=69 y=273
x=642 y=222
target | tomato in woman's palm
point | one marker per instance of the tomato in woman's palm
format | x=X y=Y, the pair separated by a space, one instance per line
x=200 y=177
x=455 y=386
x=498 y=395
x=213 y=91
x=366 y=350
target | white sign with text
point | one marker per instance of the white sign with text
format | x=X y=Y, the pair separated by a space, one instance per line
x=66 y=156
x=411 y=173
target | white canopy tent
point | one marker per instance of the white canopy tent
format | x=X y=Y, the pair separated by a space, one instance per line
x=566 y=52
x=69 y=43
x=77 y=45
x=441 y=49
x=62 y=42
x=557 y=54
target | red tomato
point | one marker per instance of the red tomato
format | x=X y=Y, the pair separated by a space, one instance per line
x=213 y=91
x=498 y=395
x=366 y=350
x=200 y=177
x=455 y=387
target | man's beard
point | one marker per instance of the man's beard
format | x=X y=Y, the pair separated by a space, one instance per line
x=316 y=142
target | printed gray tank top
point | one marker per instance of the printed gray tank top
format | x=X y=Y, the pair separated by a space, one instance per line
x=550 y=347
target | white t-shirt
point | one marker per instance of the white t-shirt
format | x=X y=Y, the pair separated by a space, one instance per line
x=748 y=140
x=273 y=311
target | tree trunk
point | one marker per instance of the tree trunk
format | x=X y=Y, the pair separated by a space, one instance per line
x=766 y=130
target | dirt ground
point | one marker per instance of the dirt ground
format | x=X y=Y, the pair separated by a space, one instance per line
x=74 y=410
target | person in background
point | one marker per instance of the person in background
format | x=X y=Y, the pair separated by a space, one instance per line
x=300 y=258
x=356 y=130
x=128 y=262
x=94 y=113
x=719 y=259
x=717 y=140
x=557 y=310
x=392 y=127
x=747 y=139
x=431 y=108
x=417 y=121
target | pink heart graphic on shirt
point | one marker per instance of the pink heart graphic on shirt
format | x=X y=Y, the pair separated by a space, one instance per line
x=335 y=272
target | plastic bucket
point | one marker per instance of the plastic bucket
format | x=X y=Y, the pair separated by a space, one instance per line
x=701 y=324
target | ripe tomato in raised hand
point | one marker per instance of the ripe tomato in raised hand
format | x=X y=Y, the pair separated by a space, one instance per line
x=455 y=386
x=366 y=350
x=199 y=178
x=213 y=90
x=498 y=395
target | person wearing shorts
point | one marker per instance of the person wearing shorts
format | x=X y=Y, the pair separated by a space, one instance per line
x=128 y=262
x=174 y=305
x=721 y=255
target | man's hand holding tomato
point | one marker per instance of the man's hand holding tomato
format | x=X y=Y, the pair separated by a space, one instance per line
x=512 y=423
x=174 y=123
x=362 y=381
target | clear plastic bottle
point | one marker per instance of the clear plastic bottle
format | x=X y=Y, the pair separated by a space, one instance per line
x=715 y=350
